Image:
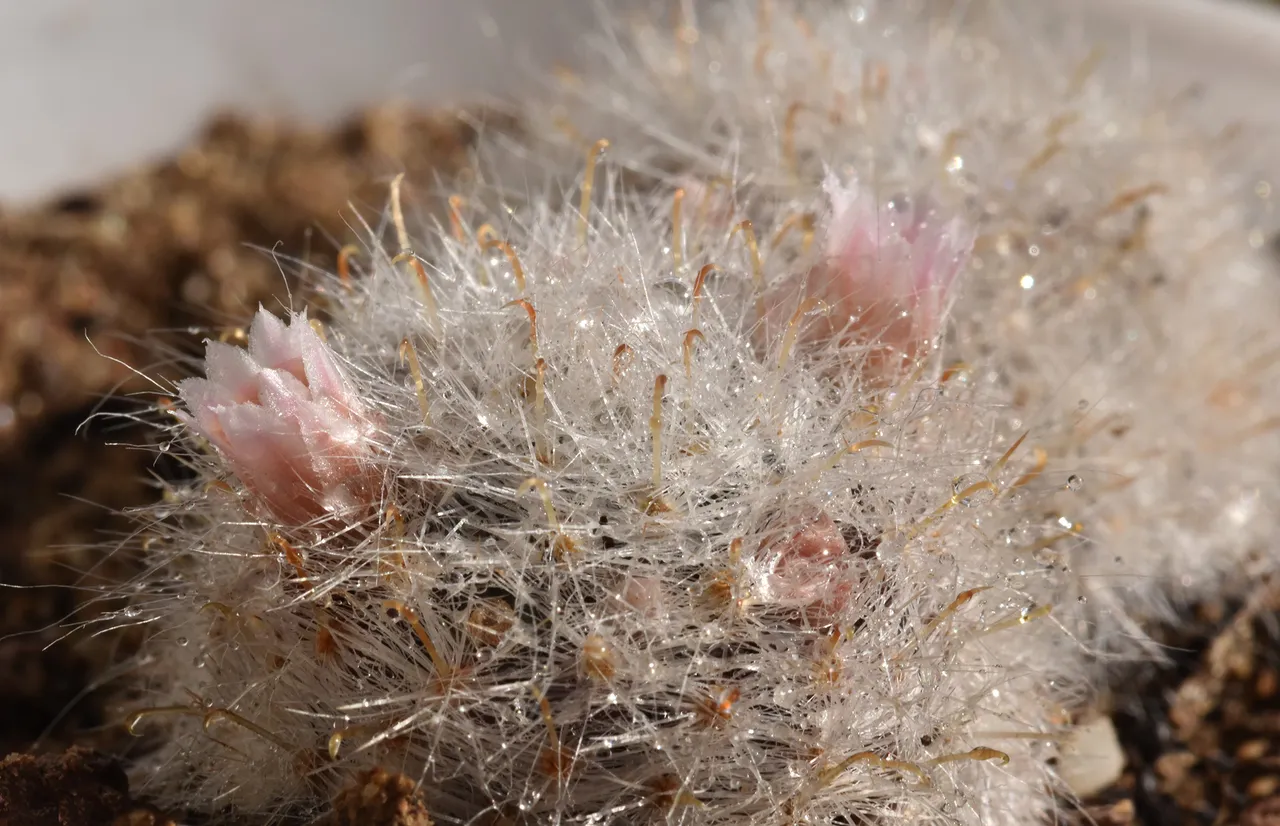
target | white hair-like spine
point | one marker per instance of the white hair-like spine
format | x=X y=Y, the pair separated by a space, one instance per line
x=1118 y=294
x=631 y=517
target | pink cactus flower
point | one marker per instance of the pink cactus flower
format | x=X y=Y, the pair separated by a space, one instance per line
x=284 y=418
x=886 y=279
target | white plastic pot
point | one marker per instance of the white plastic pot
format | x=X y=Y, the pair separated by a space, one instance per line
x=89 y=87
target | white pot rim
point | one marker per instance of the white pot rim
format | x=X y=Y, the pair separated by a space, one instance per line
x=69 y=124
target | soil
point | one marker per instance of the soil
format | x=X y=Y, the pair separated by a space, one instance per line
x=1202 y=734
x=183 y=247
x=78 y=788
x=379 y=798
x=98 y=283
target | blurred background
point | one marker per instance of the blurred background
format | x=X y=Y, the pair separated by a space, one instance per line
x=151 y=154
x=88 y=87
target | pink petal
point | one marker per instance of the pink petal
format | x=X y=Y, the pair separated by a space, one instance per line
x=886 y=279
x=273 y=462
x=323 y=375
x=282 y=393
x=232 y=370
x=274 y=345
x=201 y=398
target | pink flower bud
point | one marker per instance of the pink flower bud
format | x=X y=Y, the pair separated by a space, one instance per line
x=284 y=418
x=643 y=594
x=886 y=278
x=806 y=565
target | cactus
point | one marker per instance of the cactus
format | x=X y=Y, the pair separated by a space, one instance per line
x=1114 y=298
x=794 y=462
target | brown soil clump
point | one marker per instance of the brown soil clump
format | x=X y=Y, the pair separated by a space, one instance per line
x=77 y=788
x=1202 y=735
x=379 y=798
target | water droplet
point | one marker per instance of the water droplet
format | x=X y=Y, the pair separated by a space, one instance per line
x=973 y=489
x=675 y=290
x=666 y=300
x=1045 y=556
x=1074 y=482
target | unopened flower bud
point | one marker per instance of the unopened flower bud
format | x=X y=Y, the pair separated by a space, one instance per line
x=886 y=277
x=806 y=564
x=285 y=419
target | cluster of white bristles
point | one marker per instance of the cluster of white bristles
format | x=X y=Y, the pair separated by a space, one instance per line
x=793 y=462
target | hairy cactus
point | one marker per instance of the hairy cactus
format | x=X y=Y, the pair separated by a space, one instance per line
x=737 y=482
x=1117 y=300
x=624 y=559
